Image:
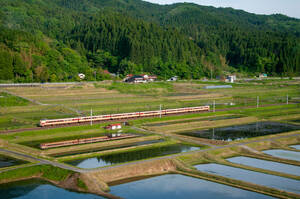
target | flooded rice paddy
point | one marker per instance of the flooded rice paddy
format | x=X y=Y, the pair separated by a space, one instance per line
x=268 y=165
x=238 y=132
x=295 y=146
x=295 y=120
x=36 y=143
x=108 y=148
x=195 y=120
x=276 y=182
x=180 y=187
x=6 y=161
x=127 y=156
x=285 y=154
x=34 y=188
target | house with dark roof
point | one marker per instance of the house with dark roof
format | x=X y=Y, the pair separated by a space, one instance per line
x=139 y=78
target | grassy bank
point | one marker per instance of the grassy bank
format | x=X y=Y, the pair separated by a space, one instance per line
x=47 y=172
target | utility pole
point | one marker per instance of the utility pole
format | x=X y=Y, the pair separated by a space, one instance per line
x=287 y=99
x=91 y=117
x=257 y=102
x=160 y=110
x=214 y=106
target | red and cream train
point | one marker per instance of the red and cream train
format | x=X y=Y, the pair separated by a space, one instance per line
x=121 y=116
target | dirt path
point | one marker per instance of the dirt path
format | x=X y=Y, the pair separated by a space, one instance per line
x=75 y=169
x=43 y=161
x=191 y=152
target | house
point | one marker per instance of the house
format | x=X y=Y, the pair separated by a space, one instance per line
x=175 y=78
x=136 y=79
x=152 y=78
x=81 y=75
x=149 y=78
x=230 y=78
x=263 y=75
x=143 y=78
x=113 y=126
x=127 y=77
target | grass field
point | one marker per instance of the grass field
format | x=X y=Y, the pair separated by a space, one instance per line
x=7 y=100
x=44 y=171
x=61 y=101
x=115 y=97
x=234 y=106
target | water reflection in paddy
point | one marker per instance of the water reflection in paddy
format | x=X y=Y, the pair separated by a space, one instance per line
x=6 y=161
x=243 y=131
x=180 y=187
x=296 y=147
x=128 y=156
x=291 y=155
x=37 y=189
x=268 y=165
x=108 y=148
x=252 y=176
x=195 y=120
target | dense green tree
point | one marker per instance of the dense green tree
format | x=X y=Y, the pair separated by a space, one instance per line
x=19 y=66
x=6 y=65
x=55 y=40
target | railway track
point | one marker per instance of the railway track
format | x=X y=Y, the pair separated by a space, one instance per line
x=81 y=124
x=77 y=124
x=123 y=120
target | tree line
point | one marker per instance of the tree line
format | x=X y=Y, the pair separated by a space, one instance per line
x=55 y=40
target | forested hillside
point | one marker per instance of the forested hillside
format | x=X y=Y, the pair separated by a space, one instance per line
x=43 y=40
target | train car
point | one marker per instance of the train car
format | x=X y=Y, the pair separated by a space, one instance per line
x=124 y=116
x=120 y=116
x=149 y=113
x=58 y=121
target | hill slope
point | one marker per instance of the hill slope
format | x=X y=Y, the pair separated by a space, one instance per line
x=44 y=40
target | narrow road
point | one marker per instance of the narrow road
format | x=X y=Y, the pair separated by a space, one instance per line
x=197 y=151
x=75 y=169
x=43 y=161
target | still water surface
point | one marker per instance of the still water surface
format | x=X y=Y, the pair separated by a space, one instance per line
x=296 y=147
x=291 y=155
x=123 y=157
x=6 y=161
x=195 y=120
x=238 y=132
x=37 y=189
x=108 y=148
x=252 y=176
x=268 y=165
x=180 y=187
